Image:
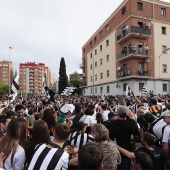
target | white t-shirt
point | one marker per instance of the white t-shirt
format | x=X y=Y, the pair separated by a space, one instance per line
x=90 y=120
x=157 y=128
x=105 y=115
x=18 y=160
x=166 y=134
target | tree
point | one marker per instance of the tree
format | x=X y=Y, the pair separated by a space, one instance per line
x=63 y=78
x=4 y=88
x=75 y=81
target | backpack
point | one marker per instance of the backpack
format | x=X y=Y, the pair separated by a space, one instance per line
x=156 y=157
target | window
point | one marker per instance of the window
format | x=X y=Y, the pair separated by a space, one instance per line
x=124 y=86
x=101 y=61
x=140 y=6
x=101 y=75
x=107 y=43
x=107 y=89
x=164 y=86
x=91 y=90
x=90 y=44
x=91 y=78
x=95 y=90
x=164 y=49
x=90 y=55
x=164 y=30
x=107 y=73
x=91 y=67
x=95 y=51
x=107 y=28
x=107 y=58
x=95 y=39
x=95 y=64
x=100 y=34
x=124 y=11
x=141 y=86
x=164 y=68
x=163 y=11
x=101 y=89
x=100 y=47
x=96 y=77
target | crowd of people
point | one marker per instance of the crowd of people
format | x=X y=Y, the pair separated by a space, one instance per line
x=85 y=133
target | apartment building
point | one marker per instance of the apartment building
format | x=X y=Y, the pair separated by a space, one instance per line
x=130 y=48
x=6 y=72
x=31 y=77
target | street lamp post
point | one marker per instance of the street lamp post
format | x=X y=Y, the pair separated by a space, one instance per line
x=163 y=52
x=9 y=75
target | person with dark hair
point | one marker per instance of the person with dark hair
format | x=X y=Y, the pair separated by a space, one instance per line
x=122 y=129
x=13 y=144
x=155 y=108
x=105 y=112
x=40 y=134
x=49 y=119
x=143 y=161
x=4 y=121
x=51 y=155
x=79 y=137
x=88 y=118
x=148 y=140
x=19 y=113
x=90 y=157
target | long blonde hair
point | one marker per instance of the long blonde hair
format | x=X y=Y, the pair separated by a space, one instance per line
x=16 y=134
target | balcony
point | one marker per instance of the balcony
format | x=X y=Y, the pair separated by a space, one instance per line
x=141 y=74
x=82 y=65
x=140 y=53
x=135 y=32
x=83 y=75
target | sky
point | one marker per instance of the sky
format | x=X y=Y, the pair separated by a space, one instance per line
x=46 y=30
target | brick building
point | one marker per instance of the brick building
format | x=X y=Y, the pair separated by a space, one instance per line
x=6 y=71
x=31 y=77
x=131 y=47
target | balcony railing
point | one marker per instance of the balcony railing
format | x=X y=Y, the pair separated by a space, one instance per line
x=82 y=65
x=134 y=31
x=83 y=75
x=133 y=52
x=133 y=73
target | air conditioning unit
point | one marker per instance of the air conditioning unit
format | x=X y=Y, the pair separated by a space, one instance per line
x=118 y=74
x=118 y=68
x=146 y=60
x=128 y=72
x=121 y=74
x=147 y=24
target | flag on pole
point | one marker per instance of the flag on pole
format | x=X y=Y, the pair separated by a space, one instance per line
x=14 y=87
x=129 y=92
x=144 y=92
x=45 y=85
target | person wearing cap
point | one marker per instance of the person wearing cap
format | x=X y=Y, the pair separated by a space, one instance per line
x=122 y=129
x=166 y=138
x=4 y=121
x=79 y=137
x=111 y=117
x=65 y=113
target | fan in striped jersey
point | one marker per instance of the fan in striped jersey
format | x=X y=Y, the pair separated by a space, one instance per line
x=14 y=87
